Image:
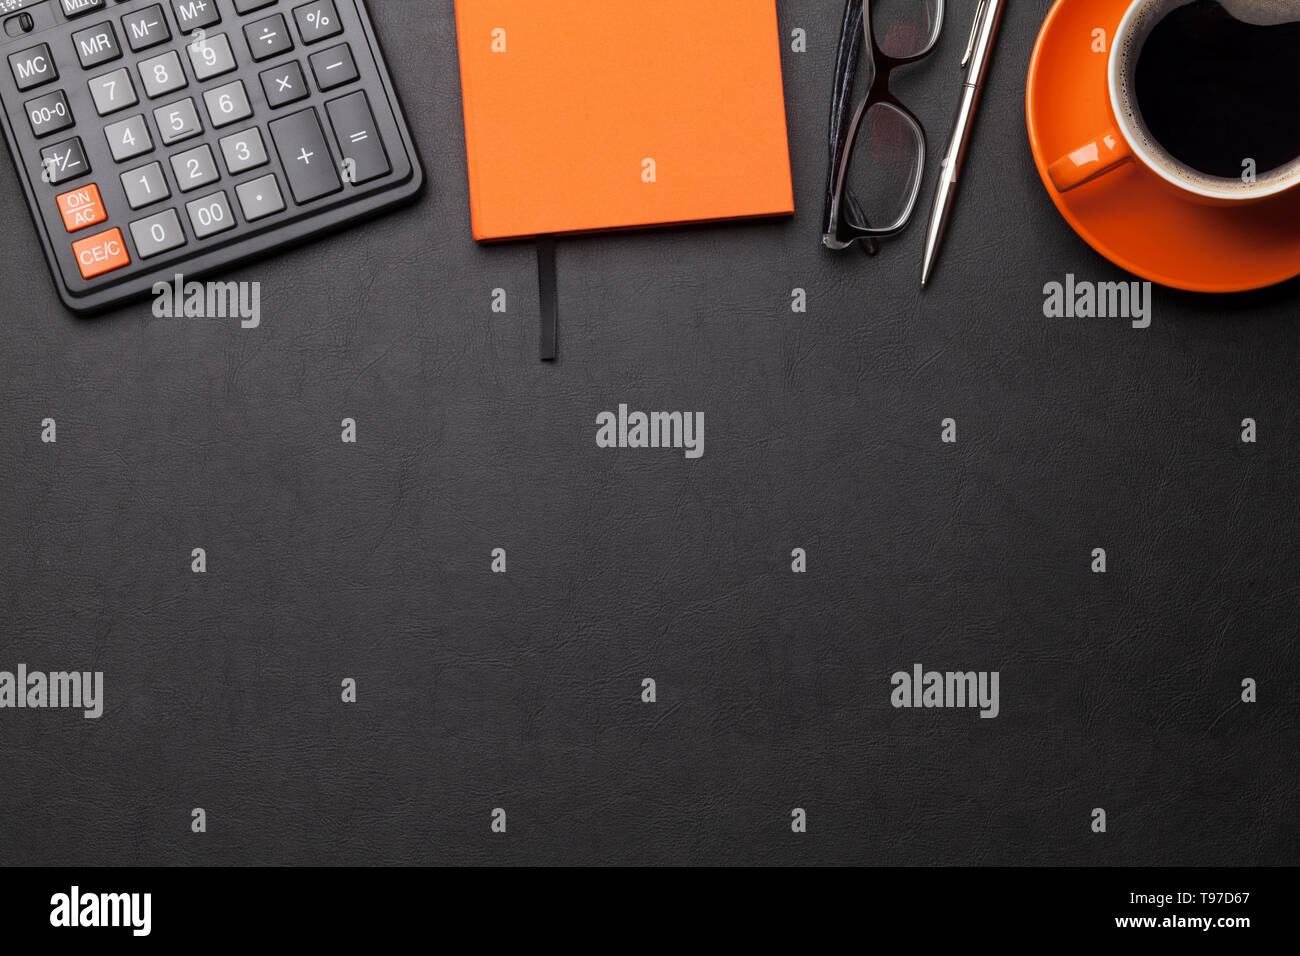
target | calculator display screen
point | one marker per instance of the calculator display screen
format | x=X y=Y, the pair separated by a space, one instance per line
x=9 y=6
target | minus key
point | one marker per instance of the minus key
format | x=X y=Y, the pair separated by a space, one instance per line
x=333 y=67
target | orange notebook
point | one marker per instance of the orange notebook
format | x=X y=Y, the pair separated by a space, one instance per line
x=603 y=114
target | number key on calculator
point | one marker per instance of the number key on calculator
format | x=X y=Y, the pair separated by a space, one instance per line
x=156 y=137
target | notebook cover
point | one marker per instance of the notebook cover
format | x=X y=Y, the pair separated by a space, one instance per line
x=565 y=100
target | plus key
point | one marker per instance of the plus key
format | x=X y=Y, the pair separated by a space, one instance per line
x=305 y=156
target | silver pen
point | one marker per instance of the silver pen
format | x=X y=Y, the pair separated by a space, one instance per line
x=979 y=51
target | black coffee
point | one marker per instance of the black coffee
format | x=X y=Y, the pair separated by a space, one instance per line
x=1215 y=91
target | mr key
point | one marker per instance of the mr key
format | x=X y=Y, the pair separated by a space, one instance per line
x=156 y=138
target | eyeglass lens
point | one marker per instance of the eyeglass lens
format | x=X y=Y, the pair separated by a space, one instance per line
x=904 y=28
x=884 y=168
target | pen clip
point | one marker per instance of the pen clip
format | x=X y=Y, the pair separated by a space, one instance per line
x=974 y=32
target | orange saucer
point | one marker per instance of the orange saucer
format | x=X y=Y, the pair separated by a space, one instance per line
x=1131 y=216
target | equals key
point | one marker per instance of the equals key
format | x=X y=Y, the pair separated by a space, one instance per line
x=363 y=153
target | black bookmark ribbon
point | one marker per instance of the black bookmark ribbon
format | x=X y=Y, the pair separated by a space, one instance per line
x=549 y=296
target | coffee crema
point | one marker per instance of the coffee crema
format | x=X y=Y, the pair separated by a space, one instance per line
x=1217 y=93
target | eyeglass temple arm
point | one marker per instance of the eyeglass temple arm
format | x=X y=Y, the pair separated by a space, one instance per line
x=845 y=73
x=869 y=246
x=846 y=66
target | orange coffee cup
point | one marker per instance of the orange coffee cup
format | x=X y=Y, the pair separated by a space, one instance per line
x=1128 y=141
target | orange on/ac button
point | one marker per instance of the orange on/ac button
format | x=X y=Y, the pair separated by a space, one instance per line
x=101 y=253
x=81 y=207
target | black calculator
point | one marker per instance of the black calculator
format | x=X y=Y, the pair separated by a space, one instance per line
x=157 y=138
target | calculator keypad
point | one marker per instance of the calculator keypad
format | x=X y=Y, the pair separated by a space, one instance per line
x=49 y=113
x=306 y=158
x=162 y=75
x=333 y=67
x=33 y=67
x=101 y=253
x=129 y=138
x=194 y=168
x=317 y=21
x=177 y=122
x=211 y=57
x=228 y=104
x=96 y=45
x=79 y=8
x=81 y=207
x=243 y=151
x=145 y=186
x=194 y=15
x=268 y=38
x=210 y=215
x=249 y=115
x=354 y=126
x=157 y=234
x=64 y=161
x=112 y=92
x=146 y=29
x=260 y=198
x=284 y=84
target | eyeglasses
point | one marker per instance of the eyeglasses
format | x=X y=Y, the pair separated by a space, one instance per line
x=877 y=159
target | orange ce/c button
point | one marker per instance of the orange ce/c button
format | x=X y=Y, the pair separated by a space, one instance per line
x=101 y=253
x=81 y=207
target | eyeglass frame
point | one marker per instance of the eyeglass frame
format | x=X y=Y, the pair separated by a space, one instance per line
x=836 y=224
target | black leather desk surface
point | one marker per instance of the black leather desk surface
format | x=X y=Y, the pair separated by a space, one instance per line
x=522 y=690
